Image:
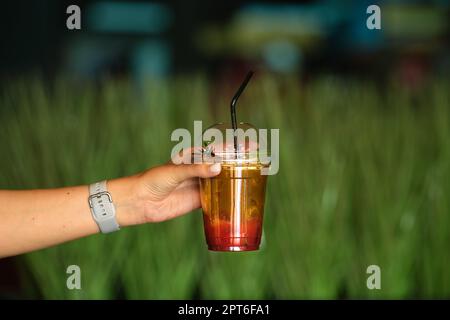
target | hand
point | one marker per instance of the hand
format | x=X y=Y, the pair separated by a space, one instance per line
x=160 y=193
x=35 y=219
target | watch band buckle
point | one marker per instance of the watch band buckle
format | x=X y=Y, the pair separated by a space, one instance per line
x=98 y=195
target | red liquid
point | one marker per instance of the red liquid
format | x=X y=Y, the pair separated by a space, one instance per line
x=224 y=236
x=233 y=207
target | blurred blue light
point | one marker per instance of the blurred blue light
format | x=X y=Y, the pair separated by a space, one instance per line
x=151 y=58
x=282 y=56
x=128 y=17
x=321 y=13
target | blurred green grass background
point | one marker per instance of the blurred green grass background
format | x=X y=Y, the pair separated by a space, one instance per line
x=364 y=179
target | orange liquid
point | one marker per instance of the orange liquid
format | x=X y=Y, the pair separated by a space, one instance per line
x=233 y=208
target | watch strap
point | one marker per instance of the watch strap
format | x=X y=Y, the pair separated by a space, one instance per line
x=102 y=207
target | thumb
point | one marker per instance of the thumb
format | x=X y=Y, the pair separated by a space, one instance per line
x=182 y=172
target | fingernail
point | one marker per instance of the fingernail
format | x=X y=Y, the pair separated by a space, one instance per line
x=215 y=168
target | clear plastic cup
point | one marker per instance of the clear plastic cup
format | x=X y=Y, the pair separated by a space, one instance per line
x=233 y=201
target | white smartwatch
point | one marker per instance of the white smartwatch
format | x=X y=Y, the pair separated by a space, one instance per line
x=102 y=207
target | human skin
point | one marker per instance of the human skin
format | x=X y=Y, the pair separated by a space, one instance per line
x=36 y=219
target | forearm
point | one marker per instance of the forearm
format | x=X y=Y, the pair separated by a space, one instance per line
x=34 y=219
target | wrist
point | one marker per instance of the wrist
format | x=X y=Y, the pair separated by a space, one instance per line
x=123 y=194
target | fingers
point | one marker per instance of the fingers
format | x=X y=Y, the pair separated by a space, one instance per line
x=182 y=172
x=183 y=200
x=184 y=156
x=188 y=183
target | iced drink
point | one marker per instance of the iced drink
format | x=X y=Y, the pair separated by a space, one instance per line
x=233 y=207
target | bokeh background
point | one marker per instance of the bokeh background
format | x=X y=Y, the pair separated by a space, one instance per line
x=364 y=125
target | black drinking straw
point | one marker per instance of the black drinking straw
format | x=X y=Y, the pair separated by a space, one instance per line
x=233 y=105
